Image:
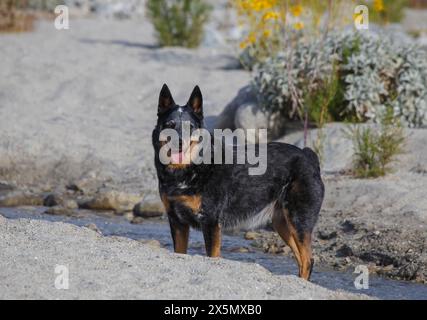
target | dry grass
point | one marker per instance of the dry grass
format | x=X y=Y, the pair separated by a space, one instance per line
x=13 y=19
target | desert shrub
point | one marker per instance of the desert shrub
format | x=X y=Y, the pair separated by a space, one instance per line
x=46 y=5
x=376 y=147
x=373 y=72
x=13 y=17
x=178 y=22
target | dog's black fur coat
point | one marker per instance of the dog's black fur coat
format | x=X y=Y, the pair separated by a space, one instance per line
x=229 y=196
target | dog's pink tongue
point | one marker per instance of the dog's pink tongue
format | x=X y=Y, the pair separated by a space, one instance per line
x=177 y=157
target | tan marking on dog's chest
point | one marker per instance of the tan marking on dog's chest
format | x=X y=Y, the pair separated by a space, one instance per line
x=193 y=202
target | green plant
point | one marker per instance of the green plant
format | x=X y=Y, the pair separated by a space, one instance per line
x=318 y=105
x=376 y=147
x=178 y=22
x=374 y=71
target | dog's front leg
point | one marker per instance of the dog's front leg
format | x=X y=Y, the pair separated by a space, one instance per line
x=212 y=236
x=180 y=233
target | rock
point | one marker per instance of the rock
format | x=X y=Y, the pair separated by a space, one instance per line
x=240 y=250
x=129 y=216
x=87 y=184
x=59 y=211
x=323 y=235
x=225 y=120
x=51 y=200
x=249 y=116
x=250 y=235
x=273 y=249
x=148 y=209
x=19 y=198
x=111 y=200
x=337 y=147
x=137 y=220
x=6 y=187
x=344 y=251
x=286 y=250
x=348 y=227
x=244 y=112
x=70 y=204
x=93 y=227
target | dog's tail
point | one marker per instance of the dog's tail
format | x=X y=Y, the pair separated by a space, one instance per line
x=312 y=156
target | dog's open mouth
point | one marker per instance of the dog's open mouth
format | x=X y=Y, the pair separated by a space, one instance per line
x=179 y=156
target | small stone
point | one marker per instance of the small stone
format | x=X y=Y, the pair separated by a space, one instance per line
x=111 y=200
x=388 y=268
x=93 y=227
x=86 y=185
x=273 y=249
x=344 y=251
x=70 y=204
x=250 y=235
x=59 y=211
x=240 y=250
x=286 y=250
x=137 y=220
x=128 y=216
x=348 y=227
x=323 y=235
x=51 y=200
x=148 y=209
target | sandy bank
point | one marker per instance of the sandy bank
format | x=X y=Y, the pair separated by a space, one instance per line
x=119 y=268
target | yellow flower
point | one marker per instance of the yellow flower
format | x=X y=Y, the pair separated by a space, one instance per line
x=243 y=44
x=260 y=5
x=266 y=33
x=379 y=5
x=296 y=10
x=299 y=26
x=251 y=38
x=271 y=15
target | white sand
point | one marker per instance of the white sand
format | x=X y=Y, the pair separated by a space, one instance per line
x=118 y=268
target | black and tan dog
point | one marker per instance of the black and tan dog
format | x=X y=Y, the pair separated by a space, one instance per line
x=216 y=197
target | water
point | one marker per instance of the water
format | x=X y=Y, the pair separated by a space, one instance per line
x=277 y=264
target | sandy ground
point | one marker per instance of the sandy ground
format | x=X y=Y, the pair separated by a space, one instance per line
x=119 y=268
x=84 y=101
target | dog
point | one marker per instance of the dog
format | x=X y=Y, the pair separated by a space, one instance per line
x=218 y=197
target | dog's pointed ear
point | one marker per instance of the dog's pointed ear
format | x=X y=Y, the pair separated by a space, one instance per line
x=196 y=101
x=165 y=100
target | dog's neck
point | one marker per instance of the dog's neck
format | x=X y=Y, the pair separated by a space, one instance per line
x=184 y=180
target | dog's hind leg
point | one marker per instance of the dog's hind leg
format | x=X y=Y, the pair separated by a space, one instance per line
x=300 y=245
x=212 y=236
x=283 y=227
x=304 y=247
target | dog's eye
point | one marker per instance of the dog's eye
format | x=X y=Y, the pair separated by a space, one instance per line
x=170 y=124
